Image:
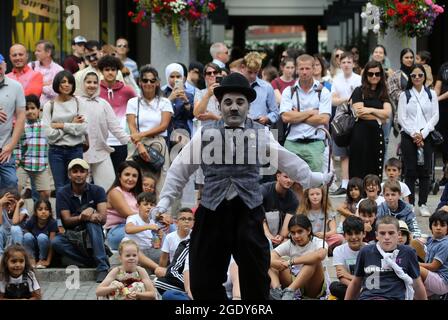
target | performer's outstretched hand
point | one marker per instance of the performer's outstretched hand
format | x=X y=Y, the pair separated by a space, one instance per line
x=328 y=178
x=156 y=212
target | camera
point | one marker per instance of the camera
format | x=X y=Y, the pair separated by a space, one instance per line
x=219 y=79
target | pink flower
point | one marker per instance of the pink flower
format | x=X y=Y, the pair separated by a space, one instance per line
x=438 y=8
x=428 y=2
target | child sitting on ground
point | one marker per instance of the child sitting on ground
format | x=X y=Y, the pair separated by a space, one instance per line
x=127 y=281
x=40 y=230
x=140 y=228
x=17 y=279
x=354 y=194
x=393 y=171
x=149 y=183
x=303 y=267
x=367 y=212
x=185 y=221
x=344 y=256
x=372 y=189
x=404 y=237
x=313 y=207
x=394 y=206
x=13 y=215
x=435 y=269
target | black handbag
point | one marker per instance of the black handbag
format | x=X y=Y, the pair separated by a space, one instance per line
x=156 y=158
x=342 y=124
x=436 y=137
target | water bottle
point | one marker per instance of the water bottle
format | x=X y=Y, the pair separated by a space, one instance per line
x=155 y=240
x=420 y=157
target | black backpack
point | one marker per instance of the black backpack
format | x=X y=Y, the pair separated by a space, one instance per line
x=407 y=92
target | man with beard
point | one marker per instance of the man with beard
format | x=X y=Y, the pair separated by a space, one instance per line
x=82 y=208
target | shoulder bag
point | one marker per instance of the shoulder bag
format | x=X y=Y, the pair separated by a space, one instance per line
x=342 y=124
x=156 y=158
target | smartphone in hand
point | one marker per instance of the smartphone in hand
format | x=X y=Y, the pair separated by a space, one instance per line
x=219 y=79
x=179 y=84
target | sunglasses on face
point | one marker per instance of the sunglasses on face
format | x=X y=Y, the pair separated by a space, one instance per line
x=92 y=57
x=372 y=74
x=417 y=75
x=337 y=56
x=149 y=80
x=211 y=73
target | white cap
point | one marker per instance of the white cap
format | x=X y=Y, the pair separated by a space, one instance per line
x=79 y=39
x=78 y=162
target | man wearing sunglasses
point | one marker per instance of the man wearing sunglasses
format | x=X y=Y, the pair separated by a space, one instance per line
x=122 y=46
x=92 y=57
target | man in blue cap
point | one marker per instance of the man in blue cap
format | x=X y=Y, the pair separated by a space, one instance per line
x=12 y=105
x=229 y=219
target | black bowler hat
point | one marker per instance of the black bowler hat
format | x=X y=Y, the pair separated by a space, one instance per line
x=235 y=83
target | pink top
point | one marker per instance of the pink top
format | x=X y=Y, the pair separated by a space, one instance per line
x=113 y=217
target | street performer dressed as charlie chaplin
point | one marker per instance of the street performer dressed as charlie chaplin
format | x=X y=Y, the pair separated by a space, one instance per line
x=229 y=218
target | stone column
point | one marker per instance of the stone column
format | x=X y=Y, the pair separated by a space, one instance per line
x=217 y=33
x=334 y=37
x=164 y=51
x=394 y=43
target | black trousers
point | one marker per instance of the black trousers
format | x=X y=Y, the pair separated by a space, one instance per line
x=233 y=229
x=118 y=156
x=413 y=171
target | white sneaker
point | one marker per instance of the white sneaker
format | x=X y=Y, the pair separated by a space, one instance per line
x=333 y=187
x=424 y=211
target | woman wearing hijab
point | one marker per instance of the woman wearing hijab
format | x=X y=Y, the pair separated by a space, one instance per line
x=181 y=101
x=102 y=120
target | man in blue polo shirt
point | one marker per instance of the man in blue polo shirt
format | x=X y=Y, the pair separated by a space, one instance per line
x=82 y=208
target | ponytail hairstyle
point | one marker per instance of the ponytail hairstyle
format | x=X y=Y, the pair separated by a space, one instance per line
x=301 y=221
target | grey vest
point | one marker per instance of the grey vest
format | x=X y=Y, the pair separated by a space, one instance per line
x=242 y=174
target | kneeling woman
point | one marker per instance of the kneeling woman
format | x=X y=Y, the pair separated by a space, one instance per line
x=303 y=268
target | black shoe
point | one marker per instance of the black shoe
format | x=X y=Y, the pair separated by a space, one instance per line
x=101 y=276
x=443 y=181
x=340 y=191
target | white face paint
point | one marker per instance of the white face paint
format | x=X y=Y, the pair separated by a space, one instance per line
x=234 y=108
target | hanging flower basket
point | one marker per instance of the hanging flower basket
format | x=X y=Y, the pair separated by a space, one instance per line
x=410 y=18
x=171 y=14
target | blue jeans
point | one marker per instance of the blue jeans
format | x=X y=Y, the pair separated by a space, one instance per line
x=59 y=158
x=175 y=295
x=119 y=155
x=115 y=235
x=12 y=236
x=8 y=176
x=98 y=258
x=37 y=247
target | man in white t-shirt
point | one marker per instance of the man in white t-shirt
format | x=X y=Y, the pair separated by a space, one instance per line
x=344 y=256
x=341 y=91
